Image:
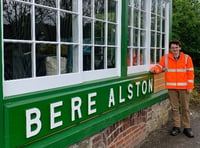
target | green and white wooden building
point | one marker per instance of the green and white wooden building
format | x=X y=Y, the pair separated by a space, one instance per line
x=71 y=68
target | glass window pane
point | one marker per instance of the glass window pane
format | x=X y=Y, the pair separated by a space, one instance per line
x=68 y=27
x=136 y=3
x=163 y=25
x=143 y=19
x=152 y=54
x=87 y=31
x=163 y=52
x=87 y=8
x=129 y=57
x=142 y=38
x=159 y=7
x=141 y=57
x=153 y=20
x=87 y=58
x=111 y=57
x=70 y=55
x=130 y=16
x=135 y=37
x=163 y=8
x=143 y=4
x=111 y=34
x=16 y=20
x=112 y=10
x=51 y=3
x=17 y=61
x=136 y=18
x=135 y=55
x=153 y=6
x=99 y=57
x=45 y=24
x=129 y=43
x=158 y=53
x=158 y=40
x=158 y=24
x=99 y=9
x=153 y=39
x=70 y=5
x=99 y=32
x=130 y=2
x=163 y=40
x=46 y=60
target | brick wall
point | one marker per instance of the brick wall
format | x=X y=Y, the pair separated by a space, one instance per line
x=131 y=131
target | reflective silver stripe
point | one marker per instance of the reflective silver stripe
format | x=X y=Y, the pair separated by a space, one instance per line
x=191 y=81
x=181 y=70
x=176 y=70
x=190 y=69
x=181 y=84
x=176 y=84
x=186 y=59
x=171 y=84
x=171 y=70
x=166 y=63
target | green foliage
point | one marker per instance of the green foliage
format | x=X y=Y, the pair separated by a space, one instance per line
x=195 y=97
x=186 y=27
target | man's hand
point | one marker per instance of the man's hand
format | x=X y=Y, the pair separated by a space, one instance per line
x=189 y=91
x=154 y=70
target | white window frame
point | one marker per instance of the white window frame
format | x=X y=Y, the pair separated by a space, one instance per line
x=33 y=84
x=145 y=67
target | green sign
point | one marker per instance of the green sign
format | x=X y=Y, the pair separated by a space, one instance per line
x=38 y=118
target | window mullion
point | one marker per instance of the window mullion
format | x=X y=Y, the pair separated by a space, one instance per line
x=58 y=40
x=34 y=43
x=148 y=31
x=93 y=21
x=106 y=34
x=167 y=21
x=80 y=35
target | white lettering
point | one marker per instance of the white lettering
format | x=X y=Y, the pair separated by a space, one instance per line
x=76 y=106
x=91 y=103
x=130 y=91
x=121 y=100
x=111 y=98
x=55 y=115
x=150 y=85
x=138 y=88
x=33 y=121
x=144 y=87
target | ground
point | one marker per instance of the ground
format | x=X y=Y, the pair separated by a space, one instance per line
x=162 y=139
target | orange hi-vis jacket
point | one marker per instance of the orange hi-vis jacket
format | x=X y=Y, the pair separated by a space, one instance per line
x=179 y=74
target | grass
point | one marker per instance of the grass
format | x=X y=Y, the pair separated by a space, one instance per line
x=195 y=97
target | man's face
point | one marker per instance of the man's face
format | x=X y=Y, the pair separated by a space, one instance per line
x=175 y=49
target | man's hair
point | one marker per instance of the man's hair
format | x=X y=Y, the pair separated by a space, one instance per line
x=177 y=42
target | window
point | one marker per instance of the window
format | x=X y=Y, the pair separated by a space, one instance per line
x=158 y=30
x=147 y=34
x=47 y=44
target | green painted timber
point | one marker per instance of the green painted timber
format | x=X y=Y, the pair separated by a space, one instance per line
x=79 y=132
x=106 y=97
x=124 y=38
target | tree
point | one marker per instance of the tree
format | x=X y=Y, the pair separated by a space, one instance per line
x=186 y=27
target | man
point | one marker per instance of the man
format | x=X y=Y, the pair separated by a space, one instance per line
x=179 y=78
